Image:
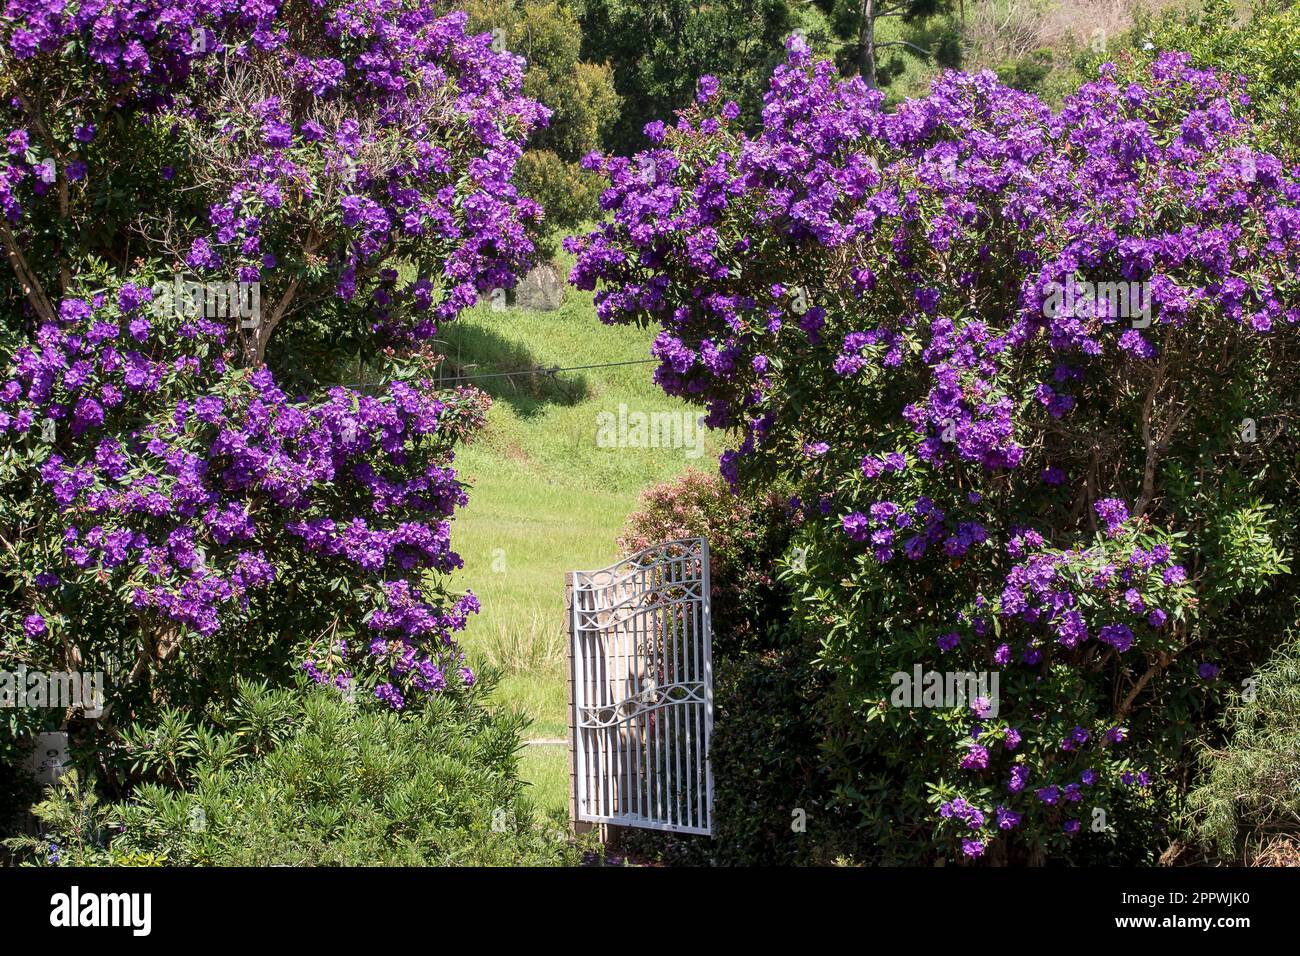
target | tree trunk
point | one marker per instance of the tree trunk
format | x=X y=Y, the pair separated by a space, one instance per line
x=867 y=43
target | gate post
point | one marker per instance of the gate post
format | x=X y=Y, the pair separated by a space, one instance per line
x=576 y=826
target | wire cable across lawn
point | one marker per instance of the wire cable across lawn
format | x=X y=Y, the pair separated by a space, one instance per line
x=542 y=370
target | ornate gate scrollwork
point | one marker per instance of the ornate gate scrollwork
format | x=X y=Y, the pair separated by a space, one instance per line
x=643 y=690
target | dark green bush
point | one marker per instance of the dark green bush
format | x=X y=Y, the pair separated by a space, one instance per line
x=580 y=95
x=287 y=777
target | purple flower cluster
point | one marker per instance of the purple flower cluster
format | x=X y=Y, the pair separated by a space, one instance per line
x=316 y=148
x=879 y=286
x=395 y=134
x=1050 y=587
x=192 y=509
x=832 y=174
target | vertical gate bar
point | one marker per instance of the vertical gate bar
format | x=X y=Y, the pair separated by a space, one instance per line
x=627 y=596
x=665 y=713
x=600 y=658
x=582 y=700
x=696 y=721
x=636 y=667
x=648 y=664
x=661 y=671
x=647 y=799
x=707 y=636
x=575 y=762
x=634 y=740
x=703 y=708
x=653 y=663
x=618 y=632
x=596 y=654
x=618 y=692
x=633 y=764
x=591 y=664
x=702 y=740
x=701 y=756
x=636 y=745
x=684 y=641
x=666 y=576
x=613 y=684
x=605 y=695
x=625 y=723
x=652 y=744
x=591 y=734
x=665 y=637
x=613 y=644
x=688 y=712
x=589 y=700
x=688 y=688
x=678 y=715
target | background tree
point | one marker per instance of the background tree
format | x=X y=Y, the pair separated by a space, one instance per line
x=580 y=95
x=659 y=47
x=856 y=22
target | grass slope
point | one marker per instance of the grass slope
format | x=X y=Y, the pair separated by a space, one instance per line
x=545 y=497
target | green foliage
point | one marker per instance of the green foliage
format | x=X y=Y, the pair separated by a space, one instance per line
x=1262 y=47
x=569 y=192
x=1028 y=72
x=1243 y=552
x=293 y=778
x=579 y=94
x=1247 y=799
x=659 y=48
x=77 y=827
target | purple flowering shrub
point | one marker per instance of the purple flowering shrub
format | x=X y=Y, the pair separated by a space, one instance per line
x=1007 y=467
x=184 y=494
x=318 y=144
x=198 y=494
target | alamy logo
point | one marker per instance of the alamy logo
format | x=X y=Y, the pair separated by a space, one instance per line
x=210 y=300
x=73 y=909
x=1078 y=298
x=946 y=690
x=653 y=430
x=60 y=690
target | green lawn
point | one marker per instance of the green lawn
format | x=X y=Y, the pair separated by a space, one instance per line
x=546 y=498
x=546 y=768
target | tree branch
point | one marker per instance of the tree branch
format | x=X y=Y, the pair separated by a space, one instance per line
x=31 y=285
x=1148 y=441
x=262 y=337
x=65 y=198
x=906 y=43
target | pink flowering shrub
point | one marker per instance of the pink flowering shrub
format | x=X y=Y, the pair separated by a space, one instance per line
x=187 y=490
x=692 y=505
x=1029 y=374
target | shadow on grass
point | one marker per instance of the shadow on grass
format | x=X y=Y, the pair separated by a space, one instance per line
x=506 y=370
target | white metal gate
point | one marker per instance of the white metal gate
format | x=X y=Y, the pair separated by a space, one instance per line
x=643 y=690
